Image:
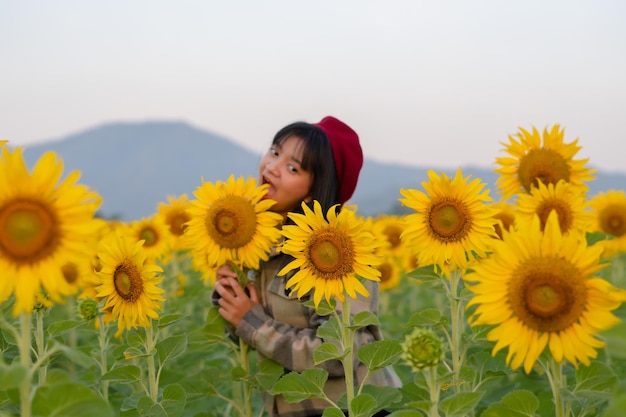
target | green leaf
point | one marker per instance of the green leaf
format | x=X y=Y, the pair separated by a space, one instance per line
x=147 y=407
x=616 y=407
x=424 y=273
x=426 y=317
x=69 y=399
x=59 y=327
x=521 y=401
x=364 y=319
x=170 y=319
x=325 y=352
x=268 y=373
x=406 y=413
x=379 y=354
x=171 y=347
x=595 y=377
x=384 y=396
x=330 y=330
x=215 y=326
x=298 y=387
x=123 y=375
x=362 y=405
x=133 y=353
x=136 y=337
x=460 y=404
x=174 y=400
x=75 y=355
x=11 y=376
x=333 y=412
x=324 y=308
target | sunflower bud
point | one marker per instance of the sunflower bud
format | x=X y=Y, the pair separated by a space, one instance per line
x=88 y=309
x=422 y=349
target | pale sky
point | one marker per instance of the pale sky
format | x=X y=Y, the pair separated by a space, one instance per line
x=429 y=83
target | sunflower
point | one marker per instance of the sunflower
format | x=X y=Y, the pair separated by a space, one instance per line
x=45 y=225
x=609 y=217
x=567 y=201
x=154 y=232
x=453 y=223
x=129 y=283
x=3 y=142
x=530 y=162
x=174 y=214
x=505 y=215
x=539 y=291
x=230 y=221
x=331 y=252
x=390 y=227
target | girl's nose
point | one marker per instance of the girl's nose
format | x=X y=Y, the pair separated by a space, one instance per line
x=272 y=167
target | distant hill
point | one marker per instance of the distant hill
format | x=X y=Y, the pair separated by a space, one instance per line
x=135 y=166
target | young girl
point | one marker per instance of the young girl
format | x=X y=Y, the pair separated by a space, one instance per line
x=306 y=162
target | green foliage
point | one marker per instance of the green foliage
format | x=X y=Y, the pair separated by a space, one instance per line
x=198 y=369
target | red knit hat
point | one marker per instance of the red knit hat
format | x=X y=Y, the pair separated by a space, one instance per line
x=347 y=154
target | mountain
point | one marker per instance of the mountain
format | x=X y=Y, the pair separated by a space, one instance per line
x=135 y=166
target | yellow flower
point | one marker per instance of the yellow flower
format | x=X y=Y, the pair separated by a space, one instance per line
x=129 y=283
x=154 y=232
x=330 y=253
x=609 y=214
x=539 y=291
x=452 y=223
x=531 y=161
x=505 y=215
x=230 y=221
x=389 y=268
x=174 y=214
x=3 y=142
x=390 y=227
x=45 y=225
x=567 y=201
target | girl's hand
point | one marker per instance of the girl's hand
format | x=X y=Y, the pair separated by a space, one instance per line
x=223 y=272
x=234 y=302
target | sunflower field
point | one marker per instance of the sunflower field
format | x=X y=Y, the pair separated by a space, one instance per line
x=493 y=303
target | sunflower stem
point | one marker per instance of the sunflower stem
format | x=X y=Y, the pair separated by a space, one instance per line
x=152 y=375
x=554 y=371
x=348 y=346
x=41 y=349
x=434 y=388
x=456 y=322
x=247 y=387
x=103 y=342
x=25 y=359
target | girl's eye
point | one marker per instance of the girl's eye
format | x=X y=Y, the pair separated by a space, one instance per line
x=273 y=151
x=292 y=169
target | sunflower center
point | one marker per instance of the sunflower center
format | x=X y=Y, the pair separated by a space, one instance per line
x=563 y=211
x=543 y=165
x=393 y=236
x=149 y=235
x=448 y=220
x=507 y=220
x=70 y=273
x=613 y=220
x=177 y=223
x=547 y=294
x=128 y=282
x=386 y=271
x=231 y=222
x=331 y=253
x=29 y=231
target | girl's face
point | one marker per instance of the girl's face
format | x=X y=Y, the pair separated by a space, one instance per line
x=289 y=184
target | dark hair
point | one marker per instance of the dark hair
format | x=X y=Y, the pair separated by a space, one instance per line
x=317 y=158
